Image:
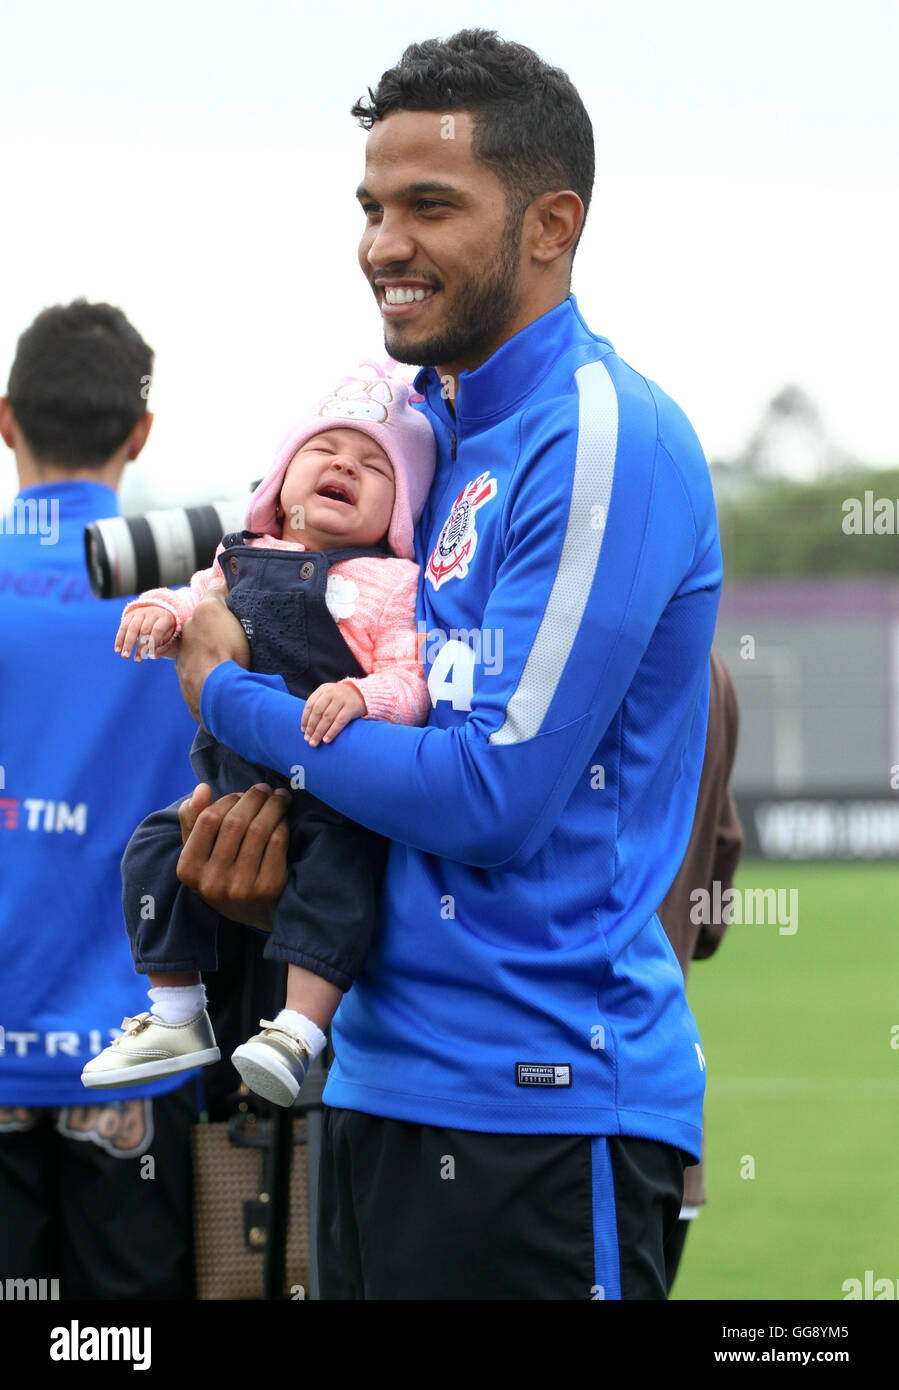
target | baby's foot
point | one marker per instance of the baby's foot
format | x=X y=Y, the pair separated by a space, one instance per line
x=273 y=1063
x=151 y=1048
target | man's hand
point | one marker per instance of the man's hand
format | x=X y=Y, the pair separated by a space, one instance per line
x=212 y=635
x=235 y=852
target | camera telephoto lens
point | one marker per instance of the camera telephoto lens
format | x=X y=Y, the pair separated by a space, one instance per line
x=158 y=550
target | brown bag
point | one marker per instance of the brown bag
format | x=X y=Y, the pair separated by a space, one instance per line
x=230 y=1209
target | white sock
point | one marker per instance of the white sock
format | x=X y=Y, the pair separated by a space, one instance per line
x=177 y=1003
x=310 y=1032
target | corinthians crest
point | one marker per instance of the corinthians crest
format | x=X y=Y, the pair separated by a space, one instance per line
x=458 y=540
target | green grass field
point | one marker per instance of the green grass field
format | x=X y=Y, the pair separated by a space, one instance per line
x=802 y=1079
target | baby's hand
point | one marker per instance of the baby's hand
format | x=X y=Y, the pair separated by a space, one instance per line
x=328 y=710
x=148 y=629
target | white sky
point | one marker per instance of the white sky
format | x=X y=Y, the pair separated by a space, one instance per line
x=195 y=163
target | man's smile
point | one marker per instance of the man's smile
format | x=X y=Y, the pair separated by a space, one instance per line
x=399 y=298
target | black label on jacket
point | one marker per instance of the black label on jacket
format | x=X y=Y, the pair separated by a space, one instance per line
x=543 y=1074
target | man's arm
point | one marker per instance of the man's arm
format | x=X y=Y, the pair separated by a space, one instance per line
x=728 y=831
x=213 y=635
x=599 y=537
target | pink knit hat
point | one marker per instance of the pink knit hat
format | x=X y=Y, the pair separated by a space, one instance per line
x=380 y=407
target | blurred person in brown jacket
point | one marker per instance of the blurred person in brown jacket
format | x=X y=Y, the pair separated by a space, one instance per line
x=712 y=856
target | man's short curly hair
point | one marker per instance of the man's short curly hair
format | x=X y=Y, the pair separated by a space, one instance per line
x=531 y=128
x=79 y=383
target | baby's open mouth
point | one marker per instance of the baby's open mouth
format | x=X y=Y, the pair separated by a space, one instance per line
x=336 y=494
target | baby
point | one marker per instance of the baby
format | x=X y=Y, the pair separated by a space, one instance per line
x=324 y=584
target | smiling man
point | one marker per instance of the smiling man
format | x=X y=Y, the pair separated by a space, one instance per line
x=518 y=1079
x=459 y=306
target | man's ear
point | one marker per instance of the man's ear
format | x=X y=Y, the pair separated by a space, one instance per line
x=558 y=220
x=138 y=436
x=6 y=423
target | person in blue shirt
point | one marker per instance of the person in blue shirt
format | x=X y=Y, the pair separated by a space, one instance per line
x=96 y=1196
x=518 y=1079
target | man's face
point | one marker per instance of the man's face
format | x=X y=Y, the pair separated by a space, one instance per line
x=436 y=226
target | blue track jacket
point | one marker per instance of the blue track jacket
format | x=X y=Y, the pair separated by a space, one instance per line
x=89 y=745
x=571 y=572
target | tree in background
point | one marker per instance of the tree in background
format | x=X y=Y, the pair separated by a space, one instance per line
x=783 y=501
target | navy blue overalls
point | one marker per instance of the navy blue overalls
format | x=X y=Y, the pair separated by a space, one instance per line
x=327 y=914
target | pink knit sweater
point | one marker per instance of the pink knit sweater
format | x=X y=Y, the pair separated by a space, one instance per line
x=373 y=603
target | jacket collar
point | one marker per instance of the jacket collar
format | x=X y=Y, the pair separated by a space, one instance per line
x=77 y=497
x=514 y=372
